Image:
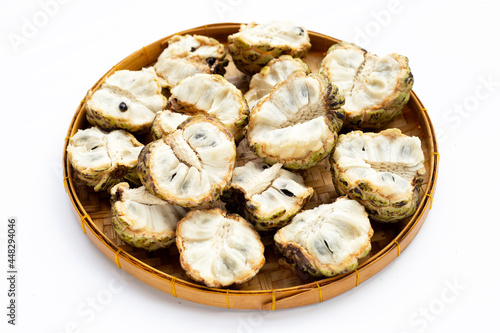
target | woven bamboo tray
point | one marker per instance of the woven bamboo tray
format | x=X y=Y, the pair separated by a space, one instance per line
x=277 y=285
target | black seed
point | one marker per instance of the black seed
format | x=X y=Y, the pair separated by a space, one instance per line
x=327 y=246
x=405 y=150
x=199 y=136
x=93 y=148
x=193 y=49
x=123 y=107
x=172 y=178
x=211 y=61
x=287 y=192
x=363 y=149
x=301 y=31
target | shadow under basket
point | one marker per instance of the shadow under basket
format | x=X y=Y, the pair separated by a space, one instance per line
x=277 y=285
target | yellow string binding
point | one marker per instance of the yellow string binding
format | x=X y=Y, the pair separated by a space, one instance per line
x=273 y=299
x=320 y=293
x=227 y=299
x=172 y=286
x=399 y=248
x=357 y=277
x=439 y=156
x=64 y=183
x=82 y=221
x=432 y=199
x=117 y=258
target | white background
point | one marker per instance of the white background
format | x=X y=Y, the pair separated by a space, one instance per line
x=447 y=279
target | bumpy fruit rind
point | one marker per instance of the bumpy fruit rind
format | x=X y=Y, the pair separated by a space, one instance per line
x=191 y=166
x=382 y=171
x=219 y=249
x=103 y=159
x=126 y=100
x=266 y=196
x=256 y=44
x=142 y=220
x=205 y=94
x=188 y=55
x=376 y=89
x=297 y=123
x=327 y=240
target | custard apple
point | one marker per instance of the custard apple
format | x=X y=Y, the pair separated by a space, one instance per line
x=383 y=171
x=218 y=249
x=211 y=95
x=328 y=239
x=188 y=55
x=270 y=196
x=126 y=100
x=375 y=88
x=256 y=44
x=192 y=165
x=297 y=123
x=142 y=220
x=103 y=159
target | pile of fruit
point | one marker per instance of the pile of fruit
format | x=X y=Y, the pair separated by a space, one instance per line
x=182 y=187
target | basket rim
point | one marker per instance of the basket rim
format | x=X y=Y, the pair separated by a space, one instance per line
x=396 y=246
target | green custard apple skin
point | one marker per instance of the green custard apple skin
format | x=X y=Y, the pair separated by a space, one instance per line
x=385 y=180
x=376 y=88
x=255 y=45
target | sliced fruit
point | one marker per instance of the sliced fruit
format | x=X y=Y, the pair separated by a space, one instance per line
x=327 y=240
x=218 y=249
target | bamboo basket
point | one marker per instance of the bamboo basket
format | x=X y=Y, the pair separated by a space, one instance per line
x=277 y=285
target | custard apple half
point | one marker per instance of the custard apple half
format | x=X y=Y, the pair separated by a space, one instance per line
x=383 y=171
x=256 y=44
x=375 y=88
x=127 y=100
x=218 y=249
x=103 y=159
x=192 y=165
x=328 y=239
x=274 y=72
x=142 y=220
x=271 y=196
x=188 y=55
x=297 y=123
x=211 y=95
